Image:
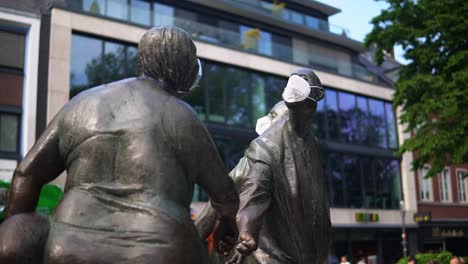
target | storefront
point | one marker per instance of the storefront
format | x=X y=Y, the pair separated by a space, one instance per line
x=447 y=236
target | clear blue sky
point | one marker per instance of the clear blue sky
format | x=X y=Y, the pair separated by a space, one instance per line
x=356 y=15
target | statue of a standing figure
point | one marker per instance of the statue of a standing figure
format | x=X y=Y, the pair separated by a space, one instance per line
x=284 y=215
x=133 y=152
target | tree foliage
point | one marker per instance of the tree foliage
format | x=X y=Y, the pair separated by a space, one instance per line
x=432 y=89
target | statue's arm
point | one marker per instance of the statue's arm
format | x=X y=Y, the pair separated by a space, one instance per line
x=42 y=164
x=255 y=198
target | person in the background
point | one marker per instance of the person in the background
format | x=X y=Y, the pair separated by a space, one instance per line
x=412 y=260
x=133 y=151
x=344 y=260
x=362 y=260
x=284 y=215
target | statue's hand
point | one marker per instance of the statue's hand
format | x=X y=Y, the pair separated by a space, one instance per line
x=246 y=245
x=235 y=258
x=225 y=234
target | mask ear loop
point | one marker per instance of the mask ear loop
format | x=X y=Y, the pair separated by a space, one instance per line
x=321 y=89
x=195 y=83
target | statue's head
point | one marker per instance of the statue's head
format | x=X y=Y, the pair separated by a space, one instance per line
x=168 y=55
x=277 y=112
x=303 y=91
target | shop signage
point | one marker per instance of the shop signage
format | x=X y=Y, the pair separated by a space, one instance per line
x=367 y=217
x=422 y=217
x=447 y=232
x=7 y=167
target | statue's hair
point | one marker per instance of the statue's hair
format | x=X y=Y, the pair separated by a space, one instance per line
x=168 y=54
x=309 y=75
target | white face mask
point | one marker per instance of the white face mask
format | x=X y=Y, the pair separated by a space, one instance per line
x=298 y=90
x=263 y=124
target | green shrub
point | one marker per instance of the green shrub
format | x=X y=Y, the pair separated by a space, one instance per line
x=423 y=258
x=49 y=198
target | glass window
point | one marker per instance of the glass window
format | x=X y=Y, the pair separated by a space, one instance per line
x=312 y=22
x=445 y=186
x=333 y=172
x=117 y=9
x=274 y=88
x=347 y=106
x=425 y=185
x=9 y=132
x=354 y=183
x=94 y=6
x=388 y=186
x=237 y=97
x=391 y=126
x=462 y=182
x=197 y=98
x=362 y=119
x=265 y=45
x=318 y=123
x=258 y=96
x=297 y=17
x=132 y=61
x=331 y=106
x=85 y=51
x=215 y=83
x=140 y=12
x=377 y=124
x=112 y=67
x=163 y=14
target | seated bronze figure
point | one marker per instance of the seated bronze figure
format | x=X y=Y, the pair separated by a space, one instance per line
x=133 y=151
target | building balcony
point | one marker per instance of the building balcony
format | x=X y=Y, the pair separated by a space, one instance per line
x=238 y=37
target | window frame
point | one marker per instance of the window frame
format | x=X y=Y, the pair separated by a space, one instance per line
x=448 y=186
x=461 y=183
x=422 y=184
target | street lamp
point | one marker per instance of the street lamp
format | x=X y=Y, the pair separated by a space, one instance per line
x=403 y=228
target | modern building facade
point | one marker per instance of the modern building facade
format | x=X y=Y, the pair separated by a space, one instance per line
x=248 y=49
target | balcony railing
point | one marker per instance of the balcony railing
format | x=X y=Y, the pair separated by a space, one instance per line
x=277 y=11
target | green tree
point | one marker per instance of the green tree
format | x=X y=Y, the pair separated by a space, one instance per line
x=432 y=89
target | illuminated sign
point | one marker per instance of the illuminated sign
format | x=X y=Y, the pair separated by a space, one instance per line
x=367 y=217
x=422 y=217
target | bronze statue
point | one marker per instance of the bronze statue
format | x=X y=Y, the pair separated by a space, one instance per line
x=133 y=152
x=284 y=215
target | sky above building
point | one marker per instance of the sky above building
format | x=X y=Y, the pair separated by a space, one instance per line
x=356 y=15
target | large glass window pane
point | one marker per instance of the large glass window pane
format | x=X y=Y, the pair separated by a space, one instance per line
x=347 y=105
x=94 y=6
x=249 y=38
x=197 y=98
x=112 y=67
x=132 y=62
x=363 y=119
x=312 y=22
x=274 y=89
x=140 y=12
x=265 y=45
x=387 y=173
x=237 y=97
x=391 y=126
x=354 y=182
x=370 y=183
x=163 y=14
x=85 y=54
x=297 y=17
x=215 y=83
x=377 y=124
x=117 y=9
x=318 y=123
x=258 y=96
x=336 y=179
x=8 y=132
x=331 y=106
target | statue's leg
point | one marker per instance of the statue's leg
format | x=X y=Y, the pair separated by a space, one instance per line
x=23 y=238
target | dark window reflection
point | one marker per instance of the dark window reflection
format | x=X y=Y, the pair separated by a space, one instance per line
x=354 y=183
x=377 y=124
x=95 y=62
x=318 y=123
x=335 y=179
x=391 y=126
x=362 y=119
x=237 y=97
x=213 y=79
x=348 y=120
x=331 y=106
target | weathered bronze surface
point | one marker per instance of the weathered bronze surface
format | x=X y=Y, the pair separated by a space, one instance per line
x=133 y=151
x=284 y=215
